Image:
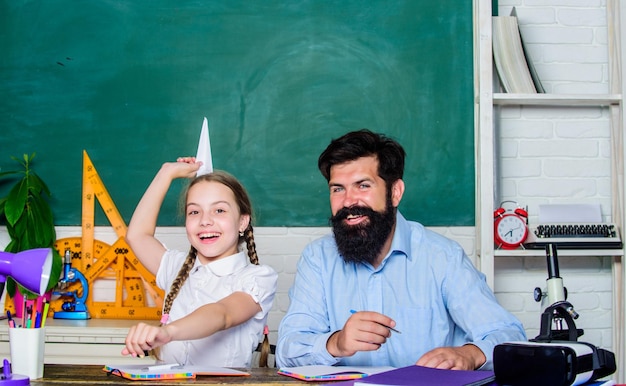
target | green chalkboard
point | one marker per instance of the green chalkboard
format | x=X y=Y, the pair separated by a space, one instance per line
x=131 y=81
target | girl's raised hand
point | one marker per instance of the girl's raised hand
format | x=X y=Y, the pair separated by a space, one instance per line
x=189 y=160
x=184 y=167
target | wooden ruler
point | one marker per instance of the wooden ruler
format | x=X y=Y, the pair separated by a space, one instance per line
x=94 y=189
x=99 y=261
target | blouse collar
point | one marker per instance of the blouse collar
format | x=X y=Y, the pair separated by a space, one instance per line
x=224 y=266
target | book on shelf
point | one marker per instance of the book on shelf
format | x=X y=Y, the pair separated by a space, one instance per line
x=529 y=62
x=515 y=71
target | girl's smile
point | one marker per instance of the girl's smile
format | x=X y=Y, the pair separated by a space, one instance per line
x=213 y=221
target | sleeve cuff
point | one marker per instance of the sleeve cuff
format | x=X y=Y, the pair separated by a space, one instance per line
x=487 y=349
x=323 y=356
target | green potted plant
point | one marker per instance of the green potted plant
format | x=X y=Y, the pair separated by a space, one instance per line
x=28 y=217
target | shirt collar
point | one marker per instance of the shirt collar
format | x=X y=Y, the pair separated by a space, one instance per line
x=224 y=266
x=401 y=243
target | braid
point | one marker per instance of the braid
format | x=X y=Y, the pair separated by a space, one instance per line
x=251 y=245
x=265 y=347
x=183 y=274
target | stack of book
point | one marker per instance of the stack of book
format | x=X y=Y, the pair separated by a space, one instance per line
x=515 y=70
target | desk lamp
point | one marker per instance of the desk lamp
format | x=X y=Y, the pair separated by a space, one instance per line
x=31 y=269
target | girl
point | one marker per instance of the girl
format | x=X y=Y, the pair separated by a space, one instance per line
x=217 y=303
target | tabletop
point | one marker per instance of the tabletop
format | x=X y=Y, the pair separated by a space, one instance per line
x=94 y=375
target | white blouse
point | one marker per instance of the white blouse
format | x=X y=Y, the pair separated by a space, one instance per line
x=208 y=284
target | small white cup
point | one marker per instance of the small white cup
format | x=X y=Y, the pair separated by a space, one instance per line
x=27 y=351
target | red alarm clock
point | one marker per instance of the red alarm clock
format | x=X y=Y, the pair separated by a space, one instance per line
x=510 y=226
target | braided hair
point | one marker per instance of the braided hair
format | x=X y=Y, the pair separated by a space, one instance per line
x=245 y=208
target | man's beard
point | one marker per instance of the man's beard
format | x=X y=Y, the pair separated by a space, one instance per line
x=363 y=242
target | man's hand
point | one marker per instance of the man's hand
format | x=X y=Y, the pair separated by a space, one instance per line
x=467 y=357
x=363 y=331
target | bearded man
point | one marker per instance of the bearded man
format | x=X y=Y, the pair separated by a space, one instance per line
x=378 y=273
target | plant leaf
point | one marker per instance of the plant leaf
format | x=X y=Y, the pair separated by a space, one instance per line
x=39 y=219
x=57 y=267
x=16 y=202
x=8 y=173
x=36 y=180
x=12 y=232
x=34 y=187
x=10 y=287
x=12 y=246
x=19 y=229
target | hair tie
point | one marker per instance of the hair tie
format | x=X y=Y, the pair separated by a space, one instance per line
x=266 y=330
x=165 y=318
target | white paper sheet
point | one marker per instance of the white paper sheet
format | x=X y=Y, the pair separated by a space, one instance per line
x=570 y=213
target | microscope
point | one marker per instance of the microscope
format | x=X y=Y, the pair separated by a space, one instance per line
x=559 y=309
x=555 y=356
x=75 y=308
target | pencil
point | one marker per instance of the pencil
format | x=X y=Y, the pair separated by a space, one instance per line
x=33 y=316
x=44 y=316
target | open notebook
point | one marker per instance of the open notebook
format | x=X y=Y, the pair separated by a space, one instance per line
x=160 y=372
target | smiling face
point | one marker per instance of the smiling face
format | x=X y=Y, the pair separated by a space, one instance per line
x=363 y=209
x=213 y=220
x=357 y=183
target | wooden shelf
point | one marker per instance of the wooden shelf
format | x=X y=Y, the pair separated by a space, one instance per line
x=561 y=252
x=557 y=99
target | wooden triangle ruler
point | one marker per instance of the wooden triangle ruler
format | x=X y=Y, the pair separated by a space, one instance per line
x=97 y=260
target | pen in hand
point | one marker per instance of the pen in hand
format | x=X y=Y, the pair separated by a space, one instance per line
x=391 y=328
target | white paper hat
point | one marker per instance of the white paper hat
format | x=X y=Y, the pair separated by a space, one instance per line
x=204 y=150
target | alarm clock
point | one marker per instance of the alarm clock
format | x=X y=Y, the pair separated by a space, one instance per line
x=510 y=228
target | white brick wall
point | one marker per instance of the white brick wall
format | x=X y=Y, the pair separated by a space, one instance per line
x=559 y=155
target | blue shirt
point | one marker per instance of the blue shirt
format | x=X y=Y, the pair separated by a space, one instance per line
x=426 y=283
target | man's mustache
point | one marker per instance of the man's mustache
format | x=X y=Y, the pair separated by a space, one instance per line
x=344 y=212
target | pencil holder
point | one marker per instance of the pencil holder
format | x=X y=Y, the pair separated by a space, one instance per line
x=27 y=351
